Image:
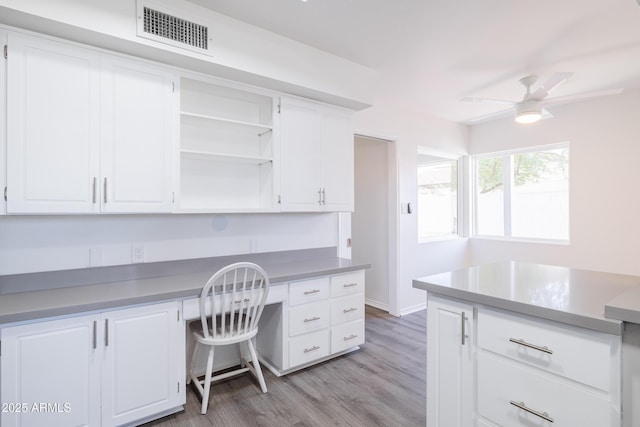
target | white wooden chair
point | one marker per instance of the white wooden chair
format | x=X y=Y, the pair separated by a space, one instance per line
x=236 y=295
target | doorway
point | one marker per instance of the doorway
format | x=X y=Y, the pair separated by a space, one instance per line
x=372 y=238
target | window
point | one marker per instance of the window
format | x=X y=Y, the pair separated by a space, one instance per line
x=523 y=194
x=437 y=196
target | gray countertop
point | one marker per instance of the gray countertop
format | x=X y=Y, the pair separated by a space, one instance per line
x=567 y=295
x=185 y=280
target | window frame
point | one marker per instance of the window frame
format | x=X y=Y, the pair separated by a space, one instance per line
x=507 y=190
x=460 y=221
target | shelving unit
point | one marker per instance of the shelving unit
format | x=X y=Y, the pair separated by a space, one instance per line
x=226 y=148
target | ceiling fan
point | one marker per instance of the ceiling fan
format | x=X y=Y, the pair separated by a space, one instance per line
x=531 y=108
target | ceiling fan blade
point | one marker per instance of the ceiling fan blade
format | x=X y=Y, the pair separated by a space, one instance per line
x=586 y=95
x=546 y=114
x=490 y=116
x=487 y=100
x=553 y=82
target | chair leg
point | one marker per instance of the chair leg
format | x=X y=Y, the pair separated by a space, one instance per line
x=207 y=382
x=256 y=366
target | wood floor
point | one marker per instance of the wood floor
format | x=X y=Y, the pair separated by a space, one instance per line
x=382 y=384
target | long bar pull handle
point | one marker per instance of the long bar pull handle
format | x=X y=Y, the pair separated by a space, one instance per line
x=314 y=291
x=349 y=310
x=320 y=196
x=522 y=342
x=315 y=347
x=105 y=190
x=349 y=285
x=524 y=407
x=314 y=318
x=106 y=333
x=95 y=190
x=95 y=334
x=324 y=198
x=463 y=317
x=350 y=337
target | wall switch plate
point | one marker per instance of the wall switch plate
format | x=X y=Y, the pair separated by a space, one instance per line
x=137 y=254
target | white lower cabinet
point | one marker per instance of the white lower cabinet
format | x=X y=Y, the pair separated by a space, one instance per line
x=450 y=363
x=104 y=369
x=322 y=317
x=518 y=370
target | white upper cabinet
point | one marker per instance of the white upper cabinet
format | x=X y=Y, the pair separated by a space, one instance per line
x=138 y=113
x=226 y=149
x=317 y=157
x=86 y=132
x=53 y=106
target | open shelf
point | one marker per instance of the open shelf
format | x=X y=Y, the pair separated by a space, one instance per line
x=259 y=128
x=224 y=157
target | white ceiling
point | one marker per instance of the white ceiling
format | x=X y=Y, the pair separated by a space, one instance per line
x=430 y=53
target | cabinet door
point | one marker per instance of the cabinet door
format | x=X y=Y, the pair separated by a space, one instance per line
x=51 y=374
x=3 y=125
x=143 y=371
x=52 y=126
x=337 y=161
x=138 y=112
x=300 y=172
x=450 y=372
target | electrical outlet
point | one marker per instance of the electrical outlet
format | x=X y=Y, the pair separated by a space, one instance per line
x=137 y=254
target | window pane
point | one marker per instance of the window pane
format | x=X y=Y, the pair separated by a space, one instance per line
x=540 y=195
x=437 y=198
x=490 y=197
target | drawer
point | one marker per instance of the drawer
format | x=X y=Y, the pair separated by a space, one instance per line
x=347 y=309
x=306 y=291
x=579 y=354
x=308 y=317
x=347 y=284
x=502 y=381
x=347 y=336
x=308 y=347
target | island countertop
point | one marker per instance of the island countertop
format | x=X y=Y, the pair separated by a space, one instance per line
x=572 y=296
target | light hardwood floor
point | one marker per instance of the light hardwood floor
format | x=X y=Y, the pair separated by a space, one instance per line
x=382 y=384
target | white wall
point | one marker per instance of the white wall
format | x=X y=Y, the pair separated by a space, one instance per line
x=410 y=129
x=45 y=243
x=604 y=137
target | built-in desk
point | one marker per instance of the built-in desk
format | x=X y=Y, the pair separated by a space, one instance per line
x=106 y=347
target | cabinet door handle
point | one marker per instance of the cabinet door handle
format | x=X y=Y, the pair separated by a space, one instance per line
x=105 y=190
x=522 y=342
x=349 y=310
x=524 y=407
x=350 y=337
x=106 y=333
x=313 y=291
x=463 y=317
x=324 y=198
x=320 y=196
x=313 y=319
x=95 y=190
x=349 y=285
x=95 y=334
x=314 y=348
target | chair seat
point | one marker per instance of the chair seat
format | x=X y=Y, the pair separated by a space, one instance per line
x=231 y=336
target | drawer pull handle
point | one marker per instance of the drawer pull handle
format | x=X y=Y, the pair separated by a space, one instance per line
x=350 y=337
x=524 y=407
x=313 y=291
x=349 y=310
x=544 y=349
x=243 y=300
x=313 y=319
x=350 y=285
x=314 y=348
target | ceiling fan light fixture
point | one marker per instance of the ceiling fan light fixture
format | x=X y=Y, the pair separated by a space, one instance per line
x=528 y=111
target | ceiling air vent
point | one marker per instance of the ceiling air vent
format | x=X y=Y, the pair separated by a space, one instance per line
x=177 y=31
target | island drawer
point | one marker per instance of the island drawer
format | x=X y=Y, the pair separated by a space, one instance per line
x=347 y=336
x=576 y=353
x=512 y=394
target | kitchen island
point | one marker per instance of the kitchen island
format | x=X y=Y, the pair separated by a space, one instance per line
x=514 y=343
